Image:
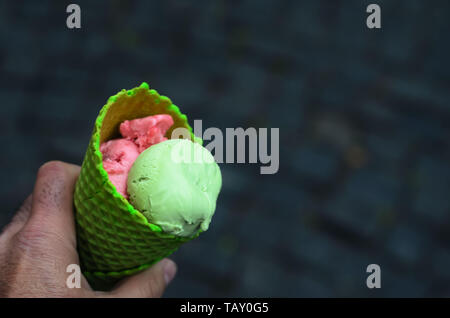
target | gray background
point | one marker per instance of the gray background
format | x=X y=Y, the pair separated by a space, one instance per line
x=363 y=117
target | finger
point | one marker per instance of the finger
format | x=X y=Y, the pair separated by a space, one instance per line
x=19 y=219
x=23 y=213
x=52 y=201
x=147 y=284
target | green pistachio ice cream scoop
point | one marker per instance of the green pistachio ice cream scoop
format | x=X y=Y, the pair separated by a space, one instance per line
x=175 y=184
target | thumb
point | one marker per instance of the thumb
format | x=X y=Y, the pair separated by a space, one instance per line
x=150 y=283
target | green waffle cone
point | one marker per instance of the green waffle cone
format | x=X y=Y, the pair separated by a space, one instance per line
x=114 y=239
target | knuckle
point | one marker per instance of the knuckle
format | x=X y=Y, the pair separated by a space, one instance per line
x=51 y=168
x=51 y=184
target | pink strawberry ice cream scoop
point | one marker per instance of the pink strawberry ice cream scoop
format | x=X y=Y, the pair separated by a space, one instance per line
x=120 y=154
x=118 y=157
x=147 y=131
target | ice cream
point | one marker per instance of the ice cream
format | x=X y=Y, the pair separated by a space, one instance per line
x=138 y=134
x=118 y=157
x=173 y=183
x=173 y=189
x=147 y=131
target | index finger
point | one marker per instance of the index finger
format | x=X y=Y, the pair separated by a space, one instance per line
x=52 y=200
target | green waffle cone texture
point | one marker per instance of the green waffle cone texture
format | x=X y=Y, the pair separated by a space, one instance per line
x=113 y=238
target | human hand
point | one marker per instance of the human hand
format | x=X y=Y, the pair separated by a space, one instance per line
x=40 y=242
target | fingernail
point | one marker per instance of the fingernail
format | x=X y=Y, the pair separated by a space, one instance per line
x=170 y=269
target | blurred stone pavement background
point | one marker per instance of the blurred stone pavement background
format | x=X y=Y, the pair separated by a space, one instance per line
x=364 y=129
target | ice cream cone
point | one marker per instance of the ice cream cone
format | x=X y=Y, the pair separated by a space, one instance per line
x=114 y=239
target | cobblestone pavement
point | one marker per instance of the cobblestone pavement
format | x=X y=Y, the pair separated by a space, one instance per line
x=363 y=115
